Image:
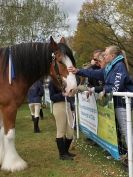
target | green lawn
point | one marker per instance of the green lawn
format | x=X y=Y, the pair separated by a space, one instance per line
x=40 y=151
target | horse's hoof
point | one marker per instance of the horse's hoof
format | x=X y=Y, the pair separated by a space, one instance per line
x=18 y=166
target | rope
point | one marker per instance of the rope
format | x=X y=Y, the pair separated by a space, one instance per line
x=67 y=114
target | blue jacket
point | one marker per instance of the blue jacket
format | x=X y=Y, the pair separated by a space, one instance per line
x=117 y=80
x=56 y=95
x=94 y=82
x=35 y=93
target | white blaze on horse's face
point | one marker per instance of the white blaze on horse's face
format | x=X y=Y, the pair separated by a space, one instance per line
x=71 y=82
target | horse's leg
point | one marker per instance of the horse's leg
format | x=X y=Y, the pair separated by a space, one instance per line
x=11 y=160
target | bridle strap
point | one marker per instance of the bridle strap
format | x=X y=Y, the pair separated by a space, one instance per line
x=58 y=75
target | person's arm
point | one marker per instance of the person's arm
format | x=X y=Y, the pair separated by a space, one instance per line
x=41 y=89
x=55 y=96
x=98 y=89
x=96 y=74
x=92 y=74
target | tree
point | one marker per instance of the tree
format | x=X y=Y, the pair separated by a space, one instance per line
x=29 y=20
x=102 y=23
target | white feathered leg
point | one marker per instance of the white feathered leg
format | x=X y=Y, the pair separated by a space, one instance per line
x=12 y=161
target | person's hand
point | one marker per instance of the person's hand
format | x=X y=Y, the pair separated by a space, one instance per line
x=82 y=88
x=101 y=94
x=64 y=93
x=73 y=92
x=90 y=91
x=72 y=69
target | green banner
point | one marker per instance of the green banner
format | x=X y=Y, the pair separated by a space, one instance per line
x=97 y=121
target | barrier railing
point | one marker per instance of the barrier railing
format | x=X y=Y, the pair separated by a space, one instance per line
x=128 y=97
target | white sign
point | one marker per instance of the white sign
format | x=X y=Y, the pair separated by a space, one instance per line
x=88 y=115
x=47 y=97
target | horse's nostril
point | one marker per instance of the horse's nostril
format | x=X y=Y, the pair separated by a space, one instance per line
x=71 y=90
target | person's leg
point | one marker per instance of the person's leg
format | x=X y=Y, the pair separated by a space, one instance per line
x=59 y=114
x=36 y=117
x=32 y=111
x=69 y=131
x=122 y=121
x=60 y=118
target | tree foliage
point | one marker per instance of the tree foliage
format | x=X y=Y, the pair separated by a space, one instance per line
x=29 y=20
x=102 y=23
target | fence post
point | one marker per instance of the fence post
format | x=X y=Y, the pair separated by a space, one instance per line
x=77 y=120
x=129 y=136
x=128 y=96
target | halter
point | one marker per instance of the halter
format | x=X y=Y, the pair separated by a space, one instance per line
x=58 y=75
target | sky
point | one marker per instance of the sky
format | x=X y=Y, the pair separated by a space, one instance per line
x=72 y=8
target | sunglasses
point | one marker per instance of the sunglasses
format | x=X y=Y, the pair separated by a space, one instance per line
x=95 y=59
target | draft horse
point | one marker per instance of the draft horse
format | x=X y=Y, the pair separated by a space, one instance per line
x=20 y=66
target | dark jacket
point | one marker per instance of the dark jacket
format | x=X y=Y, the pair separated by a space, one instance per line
x=35 y=93
x=117 y=80
x=93 y=82
x=56 y=95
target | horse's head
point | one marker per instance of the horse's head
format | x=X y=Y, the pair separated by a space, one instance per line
x=62 y=58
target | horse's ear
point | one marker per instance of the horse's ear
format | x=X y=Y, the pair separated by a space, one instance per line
x=53 y=44
x=63 y=40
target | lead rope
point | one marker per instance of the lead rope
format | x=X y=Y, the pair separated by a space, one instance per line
x=67 y=114
x=67 y=111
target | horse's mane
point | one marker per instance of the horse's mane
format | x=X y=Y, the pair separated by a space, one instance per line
x=67 y=51
x=30 y=60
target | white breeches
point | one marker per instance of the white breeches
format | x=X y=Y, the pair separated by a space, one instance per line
x=35 y=109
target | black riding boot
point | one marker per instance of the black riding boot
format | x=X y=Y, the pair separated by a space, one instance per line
x=62 y=151
x=36 y=126
x=67 y=145
x=32 y=117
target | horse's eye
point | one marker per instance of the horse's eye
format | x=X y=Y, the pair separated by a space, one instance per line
x=61 y=62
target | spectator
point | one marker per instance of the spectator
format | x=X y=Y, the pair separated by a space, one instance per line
x=101 y=60
x=94 y=65
x=64 y=121
x=35 y=94
x=94 y=59
x=102 y=63
x=116 y=78
x=92 y=84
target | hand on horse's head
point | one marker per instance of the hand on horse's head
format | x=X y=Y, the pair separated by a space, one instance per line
x=70 y=94
x=64 y=94
x=72 y=69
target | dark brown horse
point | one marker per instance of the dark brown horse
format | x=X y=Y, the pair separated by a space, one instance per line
x=20 y=66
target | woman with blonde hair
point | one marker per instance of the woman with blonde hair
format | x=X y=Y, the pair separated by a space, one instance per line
x=125 y=59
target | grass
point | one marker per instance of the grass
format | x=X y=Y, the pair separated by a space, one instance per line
x=40 y=151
